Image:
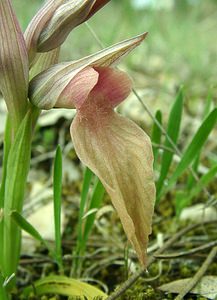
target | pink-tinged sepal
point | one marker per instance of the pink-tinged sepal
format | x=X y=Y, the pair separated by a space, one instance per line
x=47 y=90
x=13 y=63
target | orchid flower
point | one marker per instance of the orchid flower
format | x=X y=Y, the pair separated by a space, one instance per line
x=113 y=147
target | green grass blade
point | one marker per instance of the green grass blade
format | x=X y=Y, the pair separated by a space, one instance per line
x=26 y=226
x=86 y=220
x=207 y=109
x=195 y=146
x=15 y=184
x=76 y=266
x=203 y=181
x=57 y=191
x=208 y=104
x=95 y=202
x=173 y=132
x=156 y=135
x=184 y=199
x=7 y=145
x=84 y=198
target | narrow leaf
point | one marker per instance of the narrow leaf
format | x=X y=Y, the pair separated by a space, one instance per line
x=156 y=135
x=184 y=199
x=84 y=198
x=17 y=170
x=203 y=181
x=57 y=191
x=95 y=202
x=207 y=109
x=61 y=285
x=173 y=132
x=195 y=146
x=26 y=226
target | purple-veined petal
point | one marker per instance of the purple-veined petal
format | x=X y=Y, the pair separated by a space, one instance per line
x=37 y=25
x=46 y=88
x=67 y=16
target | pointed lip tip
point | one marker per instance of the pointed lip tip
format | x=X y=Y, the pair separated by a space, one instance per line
x=143 y=35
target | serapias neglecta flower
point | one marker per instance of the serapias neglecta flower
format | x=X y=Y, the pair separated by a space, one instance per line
x=113 y=147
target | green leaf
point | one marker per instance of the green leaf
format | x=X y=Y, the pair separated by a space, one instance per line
x=203 y=181
x=15 y=184
x=86 y=220
x=173 y=132
x=156 y=135
x=195 y=146
x=26 y=226
x=207 y=109
x=57 y=191
x=88 y=174
x=95 y=202
x=64 y=286
x=7 y=145
x=183 y=199
x=3 y=290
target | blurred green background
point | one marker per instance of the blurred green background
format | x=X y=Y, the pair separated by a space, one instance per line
x=181 y=47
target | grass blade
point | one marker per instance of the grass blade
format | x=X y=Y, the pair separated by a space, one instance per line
x=203 y=182
x=195 y=146
x=57 y=191
x=156 y=135
x=27 y=227
x=16 y=174
x=84 y=198
x=183 y=199
x=173 y=129
x=207 y=109
x=76 y=266
x=95 y=202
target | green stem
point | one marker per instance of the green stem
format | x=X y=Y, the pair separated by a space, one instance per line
x=7 y=144
x=18 y=162
x=3 y=293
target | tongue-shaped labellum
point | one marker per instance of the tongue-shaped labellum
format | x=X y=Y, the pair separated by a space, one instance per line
x=115 y=149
